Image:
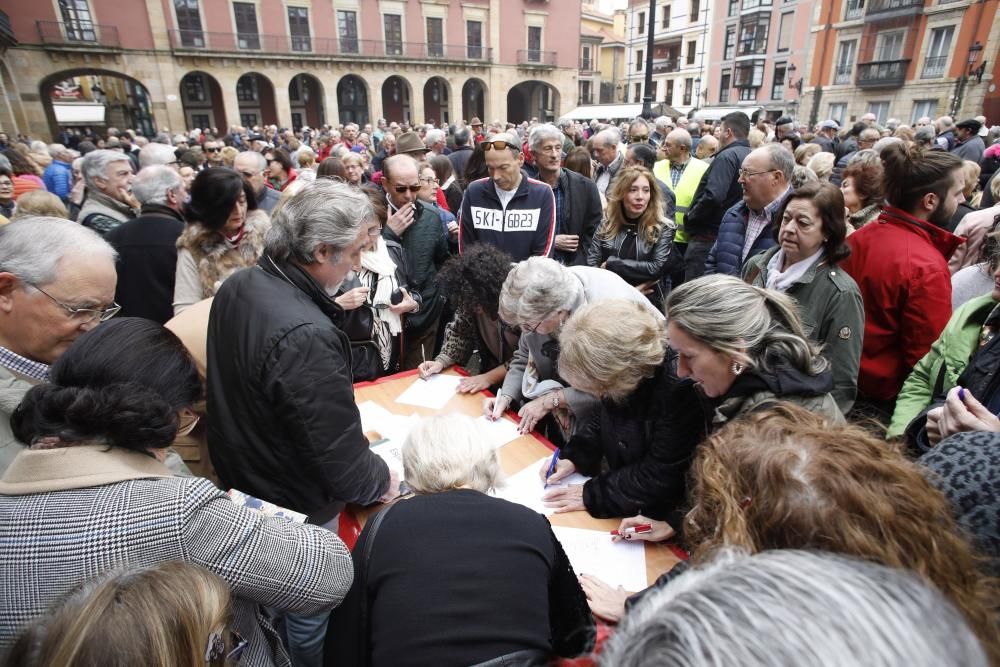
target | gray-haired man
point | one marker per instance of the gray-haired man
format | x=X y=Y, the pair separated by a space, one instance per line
x=108 y=175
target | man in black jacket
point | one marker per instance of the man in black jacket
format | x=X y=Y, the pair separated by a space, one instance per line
x=460 y=155
x=282 y=422
x=578 y=204
x=147 y=245
x=718 y=191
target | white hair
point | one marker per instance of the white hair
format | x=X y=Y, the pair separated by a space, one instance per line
x=95 y=164
x=324 y=212
x=542 y=133
x=55 y=150
x=31 y=248
x=787 y=608
x=448 y=452
x=257 y=158
x=536 y=288
x=884 y=143
x=609 y=137
x=152 y=184
x=433 y=136
x=151 y=154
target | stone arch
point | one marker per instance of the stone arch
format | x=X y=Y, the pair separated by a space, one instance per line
x=437 y=101
x=474 y=99
x=127 y=102
x=305 y=93
x=202 y=100
x=532 y=99
x=255 y=96
x=352 y=100
x=396 y=96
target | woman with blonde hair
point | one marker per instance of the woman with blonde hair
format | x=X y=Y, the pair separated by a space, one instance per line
x=822 y=165
x=186 y=622
x=457 y=576
x=805 y=152
x=787 y=478
x=638 y=444
x=636 y=240
x=40 y=202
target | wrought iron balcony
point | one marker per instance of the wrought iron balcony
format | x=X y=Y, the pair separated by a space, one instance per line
x=536 y=58
x=882 y=74
x=349 y=47
x=855 y=9
x=666 y=66
x=893 y=8
x=842 y=75
x=78 y=33
x=934 y=67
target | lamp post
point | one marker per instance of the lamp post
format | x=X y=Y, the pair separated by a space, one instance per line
x=963 y=81
x=647 y=98
x=797 y=85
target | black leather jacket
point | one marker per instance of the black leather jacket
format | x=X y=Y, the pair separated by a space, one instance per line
x=654 y=262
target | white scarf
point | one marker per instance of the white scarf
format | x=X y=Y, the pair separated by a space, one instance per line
x=383 y=279
x=781 y=281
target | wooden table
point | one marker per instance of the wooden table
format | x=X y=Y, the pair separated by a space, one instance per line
x=514 y=456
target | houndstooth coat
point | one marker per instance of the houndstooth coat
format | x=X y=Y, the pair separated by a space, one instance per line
x=69 y=514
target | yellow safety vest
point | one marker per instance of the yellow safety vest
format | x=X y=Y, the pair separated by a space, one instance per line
x=684 y=192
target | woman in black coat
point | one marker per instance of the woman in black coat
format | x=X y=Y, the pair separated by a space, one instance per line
x=454 y=577
x=648 y=423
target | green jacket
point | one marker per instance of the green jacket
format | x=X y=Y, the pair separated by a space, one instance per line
x=938 y=371
x=12 y=390
x=425 y=244
x=833 y=316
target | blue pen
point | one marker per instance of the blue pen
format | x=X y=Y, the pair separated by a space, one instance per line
x=552 y=467
x=961 y=394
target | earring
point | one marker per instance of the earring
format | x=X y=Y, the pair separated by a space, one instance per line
x=736 y=368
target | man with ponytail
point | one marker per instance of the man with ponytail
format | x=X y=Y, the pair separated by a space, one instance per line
x=900 y=262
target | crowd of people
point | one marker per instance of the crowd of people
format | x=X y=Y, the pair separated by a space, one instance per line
x=769 y=344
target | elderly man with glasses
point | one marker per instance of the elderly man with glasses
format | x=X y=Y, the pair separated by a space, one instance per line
x=508 y=210
x=57 y=281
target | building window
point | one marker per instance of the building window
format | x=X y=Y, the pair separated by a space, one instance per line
x=641 y=23
x=77 y=21
x=665 y=21
x=923 y=108
x=937 y=54
x=688 y=90
x=247 y=35
x=435 y=37
x=749 y=74
x=725 y=83
x=298 y=28
x=246 y=89
x=638 y=92
x=890 y=45
x=639 y=59
x=347 y=31
x=845 y=62
x=748 y=95
x=393 y=34
x=753 y=35
x=692 y=50
x=586 y=64
x=855 y=9
x=585 y=93
x=754 y=4
x=881 y=111
x=668 y=92
x=778 y=82
x=729 y=51
x=785 y=31
x=248 y=119
x=199 y=120
x=838 y=111
x=474 y=39
x=189 y=23
x=695 y=11
x=734 y=8
x=195 y=89
x=535 y=43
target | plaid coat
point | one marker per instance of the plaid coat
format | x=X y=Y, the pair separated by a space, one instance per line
x=67 y=515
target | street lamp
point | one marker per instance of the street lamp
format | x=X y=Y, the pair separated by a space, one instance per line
x=963 y=80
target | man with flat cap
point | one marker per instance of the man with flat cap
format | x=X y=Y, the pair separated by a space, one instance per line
x=968 y=144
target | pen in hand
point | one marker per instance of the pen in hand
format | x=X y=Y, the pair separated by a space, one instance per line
x=496 y=407
x=552 y=467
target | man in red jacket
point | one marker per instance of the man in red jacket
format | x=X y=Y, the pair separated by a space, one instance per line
x=900 y=262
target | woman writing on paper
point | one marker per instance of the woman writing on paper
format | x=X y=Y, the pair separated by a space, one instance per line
x=453 y=576
x=539 y=295
x=646 y=425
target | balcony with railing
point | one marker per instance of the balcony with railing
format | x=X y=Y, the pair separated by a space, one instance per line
x=78 y=33
x=536 y=58
x=894 y=8
x=882 y=74
x=349 y=47
x=843 y=75
x=934 y=67
x=855 y=9
x=666 y=66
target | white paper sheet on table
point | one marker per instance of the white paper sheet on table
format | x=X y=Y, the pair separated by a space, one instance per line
x=433 y=393
x=500 y=431
x=526 y=487
x=373 y=415
x=615 y=563
x=391 y=452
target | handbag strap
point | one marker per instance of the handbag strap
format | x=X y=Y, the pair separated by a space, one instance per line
x=366 y=554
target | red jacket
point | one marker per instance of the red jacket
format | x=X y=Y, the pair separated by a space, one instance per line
x=900 y=263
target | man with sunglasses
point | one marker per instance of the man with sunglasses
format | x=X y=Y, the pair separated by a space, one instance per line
x=508 y=210
x=213 y=153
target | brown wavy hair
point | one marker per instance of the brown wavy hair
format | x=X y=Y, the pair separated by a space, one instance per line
x=785 y=478
x=651 y=222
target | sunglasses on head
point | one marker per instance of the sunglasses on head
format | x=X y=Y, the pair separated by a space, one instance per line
x=499 y=145
x=403 y=188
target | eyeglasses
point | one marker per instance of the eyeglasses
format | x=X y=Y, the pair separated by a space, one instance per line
x=638 y=138
x=531 y=328
x=403 y=188
x=83 y=315
x=499 y=145
x=213 y=150
x=216 y=647
x=747 y=174
x=6 y=184
x=428 y=180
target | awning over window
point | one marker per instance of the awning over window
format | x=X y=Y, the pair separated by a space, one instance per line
x=618 y=111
